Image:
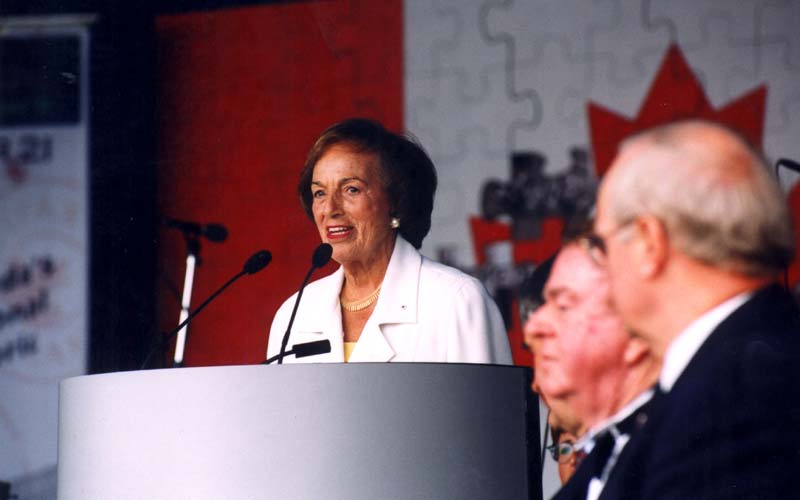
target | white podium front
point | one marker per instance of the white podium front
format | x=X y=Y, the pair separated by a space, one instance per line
x=310 y=431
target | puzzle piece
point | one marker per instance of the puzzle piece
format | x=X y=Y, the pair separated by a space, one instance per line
x=465 y=52
x=686 y=20
x=442 y=115
x=561 y=80
x=780 y=140
x=456 y=48
x=545 y=64
x=778 y=54
x=719 y=47
x=624 y=52
x=778 y=28
x=535 y=24
x=517 y=92
x=777 y=47
x=462 y=84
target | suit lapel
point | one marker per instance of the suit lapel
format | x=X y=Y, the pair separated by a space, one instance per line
x=325 y=320
x=397 y=303
x=578 y=485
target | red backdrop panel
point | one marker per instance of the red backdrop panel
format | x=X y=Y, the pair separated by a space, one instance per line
x=243 y=93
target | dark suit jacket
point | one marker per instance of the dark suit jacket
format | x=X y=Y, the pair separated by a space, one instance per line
x=578 y=485
x=730 y=426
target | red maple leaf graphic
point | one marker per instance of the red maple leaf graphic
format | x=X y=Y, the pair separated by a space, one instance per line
x=675 y=94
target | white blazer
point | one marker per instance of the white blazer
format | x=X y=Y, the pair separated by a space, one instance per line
x=426 y=312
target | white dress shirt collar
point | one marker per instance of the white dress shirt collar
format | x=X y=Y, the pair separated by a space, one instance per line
x=681 y=351
x=596 y=484
x=586 y=443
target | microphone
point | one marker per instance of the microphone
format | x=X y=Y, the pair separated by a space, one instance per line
x=794 y=167
x=257 y=262
x=311 y=348
x=321 y=256
x=212 y=232
x=254 y=264
x=790 y=164
x=304 y=349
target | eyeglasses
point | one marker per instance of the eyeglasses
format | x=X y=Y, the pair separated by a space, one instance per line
x=595 y=244
x=562 y=452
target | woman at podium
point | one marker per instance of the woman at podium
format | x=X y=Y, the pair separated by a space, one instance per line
x=370 y=193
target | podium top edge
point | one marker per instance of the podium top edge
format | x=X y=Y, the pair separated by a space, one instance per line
x=299 y=366
x=46 y=21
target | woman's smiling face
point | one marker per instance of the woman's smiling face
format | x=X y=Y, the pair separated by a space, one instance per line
x=350 y=205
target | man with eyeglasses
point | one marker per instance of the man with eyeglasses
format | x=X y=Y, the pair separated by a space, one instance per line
x=564 y=453
x=694 y=233
x=591 y=374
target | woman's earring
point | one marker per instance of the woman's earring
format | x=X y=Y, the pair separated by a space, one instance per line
x=394 y=223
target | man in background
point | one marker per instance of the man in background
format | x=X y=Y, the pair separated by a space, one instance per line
x=564 y=453
x=592 y=375
x=694 y=233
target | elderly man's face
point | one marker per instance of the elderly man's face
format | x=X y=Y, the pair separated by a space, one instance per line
x=577 y=340
x=618 y=239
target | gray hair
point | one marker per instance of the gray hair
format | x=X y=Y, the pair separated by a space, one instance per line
x=714 y=194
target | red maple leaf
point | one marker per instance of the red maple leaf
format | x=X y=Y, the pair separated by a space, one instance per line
x=675 y=94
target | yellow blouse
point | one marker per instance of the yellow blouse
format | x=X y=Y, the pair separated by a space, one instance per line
x=348 y=350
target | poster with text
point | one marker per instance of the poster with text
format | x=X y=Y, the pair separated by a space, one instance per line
x=44 y=248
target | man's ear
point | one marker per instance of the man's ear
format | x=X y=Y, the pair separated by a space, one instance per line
x=651 y=247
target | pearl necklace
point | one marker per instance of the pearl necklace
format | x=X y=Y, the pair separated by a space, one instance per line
x=360 y=305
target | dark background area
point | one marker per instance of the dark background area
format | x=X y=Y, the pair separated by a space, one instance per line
x=123 y=170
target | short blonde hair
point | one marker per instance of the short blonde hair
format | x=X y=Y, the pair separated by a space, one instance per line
x=714 y=194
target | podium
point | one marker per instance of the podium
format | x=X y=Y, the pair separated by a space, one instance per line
x=305 y=431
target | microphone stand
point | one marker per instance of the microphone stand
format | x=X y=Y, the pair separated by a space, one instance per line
x=254 y=264
x=182 y=326
x=192 y=260
x=285 y=339
x=322 y=254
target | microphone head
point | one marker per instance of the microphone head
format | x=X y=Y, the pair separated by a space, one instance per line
x=215 y=232
x=311 y=348
x=790 y=164
x=321 y=255
x=257 y=262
